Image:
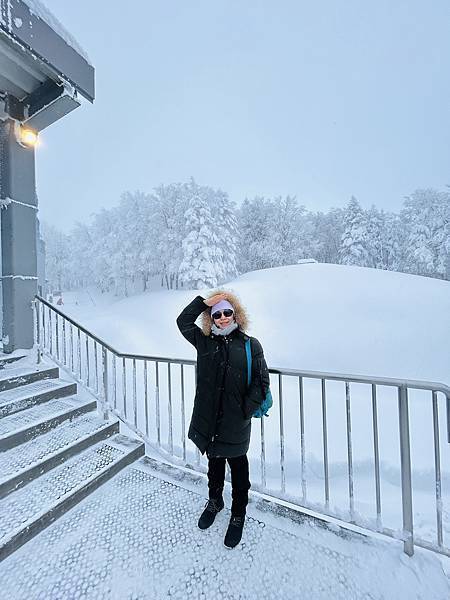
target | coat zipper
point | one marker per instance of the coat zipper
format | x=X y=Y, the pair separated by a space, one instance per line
x=223 y=382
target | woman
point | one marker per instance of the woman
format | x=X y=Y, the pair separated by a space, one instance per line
x=224 y=403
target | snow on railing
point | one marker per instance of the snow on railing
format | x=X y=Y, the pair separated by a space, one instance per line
x=352 y=447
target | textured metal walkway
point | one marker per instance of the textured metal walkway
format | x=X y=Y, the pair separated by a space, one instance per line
x=136 y=538
x=35 y=451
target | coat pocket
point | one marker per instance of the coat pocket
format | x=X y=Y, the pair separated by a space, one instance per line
x=249 y=407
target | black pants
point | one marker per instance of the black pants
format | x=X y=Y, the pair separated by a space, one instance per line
x=240 y=482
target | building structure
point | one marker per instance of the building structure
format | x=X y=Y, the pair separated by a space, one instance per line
x=44 y=75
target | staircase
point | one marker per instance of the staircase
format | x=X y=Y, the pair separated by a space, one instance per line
x=54 y=448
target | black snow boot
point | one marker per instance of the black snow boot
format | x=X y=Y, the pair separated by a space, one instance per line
x=234 y=531
x=212 y=507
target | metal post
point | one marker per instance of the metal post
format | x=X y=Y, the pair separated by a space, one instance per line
x=38 y=331
x=43 y=327
x=437 y=469
x=183 y=415
x=405 y=461
x=169 y=383
x=376 y=453
x=104 y=395
x=158 y=420
x=79 y=353
x=49 y=323
x=124 y=387
x=64 y=343
x=302 y=437
x=349 y=450
x=325 y=444
x=448 y=417
x=88 y=377
x=57 y=336
x=146 y=398
x=280 y=394
x=96 y=367
x=115 y=382
x=263 y=455
x=71 y=349
x=50 y=331
x=134 y=393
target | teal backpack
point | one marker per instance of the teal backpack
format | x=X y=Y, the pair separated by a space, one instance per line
x=268 y=401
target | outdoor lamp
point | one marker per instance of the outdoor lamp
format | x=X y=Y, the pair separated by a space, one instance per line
x=27 y=137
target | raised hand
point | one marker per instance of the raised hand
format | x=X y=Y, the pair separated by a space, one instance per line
x=215 y=299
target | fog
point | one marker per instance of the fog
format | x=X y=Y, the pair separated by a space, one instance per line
x=319 y=100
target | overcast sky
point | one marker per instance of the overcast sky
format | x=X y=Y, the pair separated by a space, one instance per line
x=321 y=100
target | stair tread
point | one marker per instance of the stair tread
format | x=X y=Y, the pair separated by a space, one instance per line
x=25 y=391
x=25 y=505
x=7 y=360
x=34 y=451
x=21 y=371
x=41 y=413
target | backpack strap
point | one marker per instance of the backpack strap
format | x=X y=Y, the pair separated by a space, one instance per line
x=248 y=351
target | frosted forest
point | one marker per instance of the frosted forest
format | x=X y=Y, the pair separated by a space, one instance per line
x=191 y=236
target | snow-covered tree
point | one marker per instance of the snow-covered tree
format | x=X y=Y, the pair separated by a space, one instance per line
x=325 y=235
x=392 y=239
x=223 y=211
x=169 y=205
x=193 y=235
x=426 y=219
x=256 y=224
x=382 y=239
x=106 y=252
x=58 y=252
x=288 y=233
x=79 y=266
x=137 y=246
x=355 y=237
x=198 y=268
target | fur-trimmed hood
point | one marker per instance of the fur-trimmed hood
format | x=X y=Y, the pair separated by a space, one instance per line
x=240 y=313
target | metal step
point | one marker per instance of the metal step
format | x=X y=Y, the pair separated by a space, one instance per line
x=20 y=427
x=5 y=361
x=26 y=396
x=17 y=376
x=24 y=463
x=26 y=512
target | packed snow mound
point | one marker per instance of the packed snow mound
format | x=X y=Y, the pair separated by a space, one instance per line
x=40 y=10
x=321 y=317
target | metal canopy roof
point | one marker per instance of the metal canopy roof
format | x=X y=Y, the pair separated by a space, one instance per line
x=41 y=74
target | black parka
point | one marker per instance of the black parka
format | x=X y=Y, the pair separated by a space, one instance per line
x=223 y=404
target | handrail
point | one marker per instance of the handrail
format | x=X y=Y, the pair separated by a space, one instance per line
x=131 y=404
x=353 y=378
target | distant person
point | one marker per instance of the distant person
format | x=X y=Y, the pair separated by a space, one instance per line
x=223 y=404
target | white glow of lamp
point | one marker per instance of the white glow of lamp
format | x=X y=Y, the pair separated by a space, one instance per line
x=28 y=137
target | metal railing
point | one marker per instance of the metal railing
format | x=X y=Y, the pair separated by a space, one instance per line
x=145 y=401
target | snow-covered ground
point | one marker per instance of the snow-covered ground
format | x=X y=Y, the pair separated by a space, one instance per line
x=310 y=317
x=323 y=317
